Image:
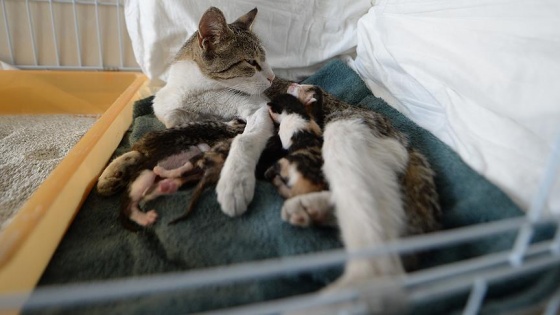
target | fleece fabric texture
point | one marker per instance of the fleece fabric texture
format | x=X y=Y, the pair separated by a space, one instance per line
x=96 y=247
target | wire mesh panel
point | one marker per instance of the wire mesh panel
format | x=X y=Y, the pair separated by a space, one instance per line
x=65 y=34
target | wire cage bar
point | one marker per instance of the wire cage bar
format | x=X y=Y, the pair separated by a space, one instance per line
x=422 y=285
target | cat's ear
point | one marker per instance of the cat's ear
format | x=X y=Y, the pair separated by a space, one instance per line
x=212 y=28
x=246 y=21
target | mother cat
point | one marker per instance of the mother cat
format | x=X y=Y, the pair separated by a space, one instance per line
x=376 y=180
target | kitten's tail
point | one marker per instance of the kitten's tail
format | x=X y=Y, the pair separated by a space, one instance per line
x=362 y=170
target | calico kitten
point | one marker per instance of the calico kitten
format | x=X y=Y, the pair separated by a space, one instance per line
x=299 y=172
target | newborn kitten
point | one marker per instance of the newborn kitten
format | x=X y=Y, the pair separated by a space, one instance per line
x=208 y=166
x=299 y=172
x=156 y=164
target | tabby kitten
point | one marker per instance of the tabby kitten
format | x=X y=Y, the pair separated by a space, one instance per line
x=207 y=166
x=156 y=162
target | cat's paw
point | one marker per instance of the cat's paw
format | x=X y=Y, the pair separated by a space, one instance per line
x=312 y=208
x=115 y=175
x=235 y=189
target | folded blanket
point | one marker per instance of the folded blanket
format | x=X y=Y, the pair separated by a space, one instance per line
x=96 y=247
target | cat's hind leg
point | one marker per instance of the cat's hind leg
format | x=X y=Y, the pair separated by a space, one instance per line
x=362 y=170
x=116 y=175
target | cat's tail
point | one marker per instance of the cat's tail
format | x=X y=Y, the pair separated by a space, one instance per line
x=362 y=169
x=421 y=197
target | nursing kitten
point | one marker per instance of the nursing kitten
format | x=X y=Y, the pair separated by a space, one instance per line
x=155 y=162
x=208 y=166
x=299 y=172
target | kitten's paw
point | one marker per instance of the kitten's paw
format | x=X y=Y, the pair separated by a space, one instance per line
x=235 y=189
x=312 y=208
x=160 y=171
x=115 y=175
x=174 y=173
x=145 y=218
x=168 y=186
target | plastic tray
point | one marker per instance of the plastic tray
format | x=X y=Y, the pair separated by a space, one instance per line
x=29 y=240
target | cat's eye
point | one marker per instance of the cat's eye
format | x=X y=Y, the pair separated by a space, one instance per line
x=253 y=62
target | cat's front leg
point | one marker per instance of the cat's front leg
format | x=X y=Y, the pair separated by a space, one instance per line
x=236 y=186
x=169 y=106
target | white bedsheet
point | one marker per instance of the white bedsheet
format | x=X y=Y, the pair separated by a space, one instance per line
x=482 y=75
x=299 y=35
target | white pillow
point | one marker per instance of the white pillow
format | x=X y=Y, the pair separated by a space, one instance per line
x=299 y=35
x=483 y=76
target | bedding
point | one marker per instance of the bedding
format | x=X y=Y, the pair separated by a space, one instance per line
x=480 y=75
x=96 y=247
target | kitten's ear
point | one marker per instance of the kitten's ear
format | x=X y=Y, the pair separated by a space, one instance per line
x=212 y=28
x=246 y=21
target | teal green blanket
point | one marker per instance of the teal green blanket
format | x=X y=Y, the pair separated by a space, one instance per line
x=96 y=246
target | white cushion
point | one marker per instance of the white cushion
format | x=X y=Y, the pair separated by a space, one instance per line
x=483 y=76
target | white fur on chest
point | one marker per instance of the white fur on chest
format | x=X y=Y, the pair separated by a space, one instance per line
x=190 y=90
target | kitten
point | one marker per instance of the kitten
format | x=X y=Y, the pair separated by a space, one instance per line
x=208 y=165
x=156 y=163
x=299 y=172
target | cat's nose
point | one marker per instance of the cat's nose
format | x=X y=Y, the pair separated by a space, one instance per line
x=271 y=78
